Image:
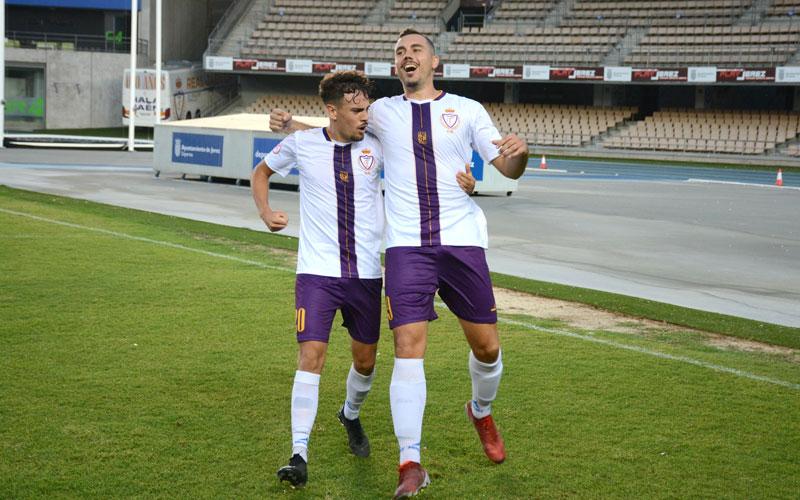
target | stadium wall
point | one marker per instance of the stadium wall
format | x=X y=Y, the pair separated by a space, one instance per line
x=82 y=89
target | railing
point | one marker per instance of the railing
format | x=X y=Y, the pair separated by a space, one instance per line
x=229 y=20
x=63 y=41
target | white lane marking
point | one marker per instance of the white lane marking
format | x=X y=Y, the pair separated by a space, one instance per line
x=545 y=170
x=748 y=184
x=530 y=326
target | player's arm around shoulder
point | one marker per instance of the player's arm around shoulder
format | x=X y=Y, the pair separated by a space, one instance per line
x=281 y=120
x=513 y=156
x=509 y=154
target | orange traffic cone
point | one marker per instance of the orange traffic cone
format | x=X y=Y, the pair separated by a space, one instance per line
x=779 y=180
x=543 y=164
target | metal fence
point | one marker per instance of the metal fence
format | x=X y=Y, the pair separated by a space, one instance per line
x=63 y=41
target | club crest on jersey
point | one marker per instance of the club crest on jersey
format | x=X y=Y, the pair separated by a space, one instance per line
x=450 y=119
x=366 y=160
x=422 y=137
x=343 y=176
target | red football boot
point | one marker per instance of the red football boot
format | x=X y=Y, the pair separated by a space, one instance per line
x=490 y=437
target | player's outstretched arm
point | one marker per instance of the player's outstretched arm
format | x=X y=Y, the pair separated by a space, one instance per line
x=281 y=121
x=513 y=156
x=466 y=181
x=275 y=220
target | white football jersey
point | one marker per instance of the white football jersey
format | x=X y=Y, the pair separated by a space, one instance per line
x=426 y=143
x=341 y=208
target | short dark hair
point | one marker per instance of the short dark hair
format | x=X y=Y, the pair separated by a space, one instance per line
x=412 y=31
x=334 y=86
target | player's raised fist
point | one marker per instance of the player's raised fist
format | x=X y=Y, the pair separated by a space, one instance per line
x=275 y=219
x=279 y=120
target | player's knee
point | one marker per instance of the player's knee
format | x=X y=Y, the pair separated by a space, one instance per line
x=364 y=366
x=311 y=359
x=487 y=353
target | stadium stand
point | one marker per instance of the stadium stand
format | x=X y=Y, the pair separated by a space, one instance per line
x=517 y=11
x=644 y=13
x=580 y=33
x=709 y=131
x=407 y=11
x=303 y=29
x=557 y=125
x=301 y=105
x=512 y=44
x=783 y=9
x=765 y=44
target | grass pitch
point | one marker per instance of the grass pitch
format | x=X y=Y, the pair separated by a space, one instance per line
x=150 y=356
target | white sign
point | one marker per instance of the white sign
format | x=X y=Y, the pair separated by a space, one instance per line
x=298 y=65
x=535 y=72
x=378 y=68
x=219 y=63
x=617 y=73
x=456 y=70
x=702 y=74
x=787 y=74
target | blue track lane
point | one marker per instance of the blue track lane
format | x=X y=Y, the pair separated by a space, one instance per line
x=609 y=171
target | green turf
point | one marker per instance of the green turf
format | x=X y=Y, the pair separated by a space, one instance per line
x=138 y=361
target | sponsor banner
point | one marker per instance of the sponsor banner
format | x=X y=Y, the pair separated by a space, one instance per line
x=495 y=72
x=219 y=63
x=787 y=74
x=456 y=71
x=617 y=73
x=299 y=66
x=535 y=72
x=702 y=74
x=746 y=75
x=659 y=75
x=477 y=166
x=378 y=68
x=327 y=67
x=256 y=65
x=261 y=148
x=576 y=73
x=197 y=149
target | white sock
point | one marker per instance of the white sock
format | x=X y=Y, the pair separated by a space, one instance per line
x=407 y=394
x=358 y=387
x=305 y=397
x=485 y=381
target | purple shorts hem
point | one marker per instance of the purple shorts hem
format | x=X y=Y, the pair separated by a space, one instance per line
x=405 y=321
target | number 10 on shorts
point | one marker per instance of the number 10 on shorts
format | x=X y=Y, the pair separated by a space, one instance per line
x=300 y=319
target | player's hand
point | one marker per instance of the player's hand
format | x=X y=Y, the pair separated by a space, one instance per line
x=275 y=219
x=511 y=146
x=466 y=181
x=279 y=120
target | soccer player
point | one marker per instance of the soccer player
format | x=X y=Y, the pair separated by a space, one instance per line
x=435 y=240
x=338 y=266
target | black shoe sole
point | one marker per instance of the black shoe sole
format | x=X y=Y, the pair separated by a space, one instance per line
x=292 y=475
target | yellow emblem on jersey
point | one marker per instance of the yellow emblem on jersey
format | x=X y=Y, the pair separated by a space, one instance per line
x=422 y=137
x=365 y=151
x=343 y=176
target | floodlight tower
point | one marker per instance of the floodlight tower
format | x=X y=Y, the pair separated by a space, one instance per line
x=132 y=82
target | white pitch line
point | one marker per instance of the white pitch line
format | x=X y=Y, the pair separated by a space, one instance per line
x=658 y=354
x=148 y=240
x=530 y=326
x=748 y=184
x=77 y=168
